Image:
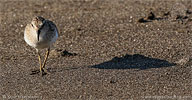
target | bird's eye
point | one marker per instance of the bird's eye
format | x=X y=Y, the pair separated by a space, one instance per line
x=32 y=25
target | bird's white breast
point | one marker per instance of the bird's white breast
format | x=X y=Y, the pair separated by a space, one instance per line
x=30 y=37
x=46 y=38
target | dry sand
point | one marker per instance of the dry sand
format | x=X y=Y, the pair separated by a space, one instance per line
x=107 y=50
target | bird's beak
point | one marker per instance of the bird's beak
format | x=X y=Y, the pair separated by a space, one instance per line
x=38 y=33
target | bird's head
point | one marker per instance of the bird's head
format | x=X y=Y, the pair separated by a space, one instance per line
x=37 y=23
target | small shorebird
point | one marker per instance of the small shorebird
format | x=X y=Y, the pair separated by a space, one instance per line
x=41 y=34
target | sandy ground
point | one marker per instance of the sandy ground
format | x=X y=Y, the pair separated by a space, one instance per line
x=107 y=50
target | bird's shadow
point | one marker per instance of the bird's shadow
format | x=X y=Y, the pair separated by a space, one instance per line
x=135 y=61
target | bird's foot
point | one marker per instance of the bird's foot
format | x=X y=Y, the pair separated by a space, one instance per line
x=44 y=71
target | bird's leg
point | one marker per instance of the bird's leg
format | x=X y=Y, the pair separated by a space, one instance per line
x=39 y=57
x=45 y=60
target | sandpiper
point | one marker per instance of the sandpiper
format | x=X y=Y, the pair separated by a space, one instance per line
x=41 y=34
